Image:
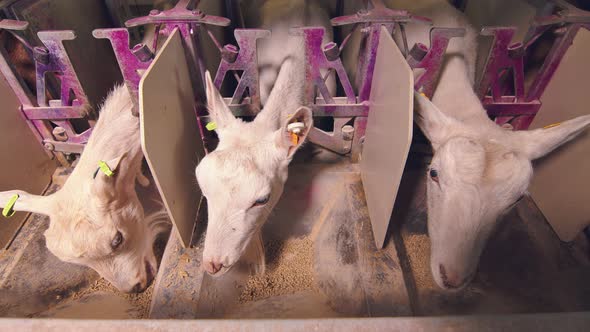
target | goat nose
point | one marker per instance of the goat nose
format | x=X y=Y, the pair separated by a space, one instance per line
x=213 y=266
x=450 y=280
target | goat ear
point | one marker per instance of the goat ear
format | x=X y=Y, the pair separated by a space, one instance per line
x=27 y=202
x=433 y=123
x=220 y=113
x=115 y=162
x=539 y=142
x=118 y=172
x=110 y=169
x=294 y=130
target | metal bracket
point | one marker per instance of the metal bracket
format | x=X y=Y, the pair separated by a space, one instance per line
x=317 y=60
x=129 y=63
x=379 y=14
x=242 y=58
x=431 y=59
x=73 y=103
x=180 y=14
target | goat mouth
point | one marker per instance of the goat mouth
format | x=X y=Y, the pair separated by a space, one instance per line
x=454 y=287
x=224 y=269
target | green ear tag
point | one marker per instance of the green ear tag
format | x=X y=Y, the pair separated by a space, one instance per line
x=105 y=168
x=8 y=208
x=211 y=126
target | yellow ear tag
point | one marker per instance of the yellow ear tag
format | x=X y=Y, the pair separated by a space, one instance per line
x=8 y=208
x=211 y=126
x=552 y=125
x=105 y=168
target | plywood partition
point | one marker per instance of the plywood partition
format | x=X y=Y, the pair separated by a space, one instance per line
x=23 y=162
x=169 y=134
x=561 y=184
x=388 y=135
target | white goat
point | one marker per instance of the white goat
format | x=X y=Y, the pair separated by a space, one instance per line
x=245 y=175
x=97 y=220
x=479 y=170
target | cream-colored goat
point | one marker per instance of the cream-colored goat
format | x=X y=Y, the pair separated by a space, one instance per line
x=245 y=175
x=97 y=220
x=479 y=170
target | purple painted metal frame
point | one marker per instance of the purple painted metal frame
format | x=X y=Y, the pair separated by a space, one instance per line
x=242 y=58
x=40 y=113
x=430 y=59
x=140 y=57
x=420 y=57
x=128 y=62
x=508 y=102
x=519 y=108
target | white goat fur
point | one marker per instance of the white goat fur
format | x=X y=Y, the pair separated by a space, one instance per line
x=250 y=162
x=86 y=214
x=482 y=168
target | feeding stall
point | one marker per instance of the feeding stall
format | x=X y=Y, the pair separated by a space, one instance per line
x=348 y=237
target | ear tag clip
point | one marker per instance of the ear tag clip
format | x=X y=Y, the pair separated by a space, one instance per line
x=211 y=126
x=552 y=125
x=295 y=129
x=8 y=208
x=105 y=168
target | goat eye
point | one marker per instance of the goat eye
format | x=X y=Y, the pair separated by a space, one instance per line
x=434 y=175
x=117 y=240
x=262 y=201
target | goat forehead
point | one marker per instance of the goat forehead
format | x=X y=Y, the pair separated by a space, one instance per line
x=246 y=135
x=233 y=175
x=236 y=162
x=460 y=158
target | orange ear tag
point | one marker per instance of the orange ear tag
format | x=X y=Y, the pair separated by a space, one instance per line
x=295 y=129
x=294 y=139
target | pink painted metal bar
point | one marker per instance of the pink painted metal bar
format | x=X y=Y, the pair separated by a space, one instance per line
x=316 y=60
x=40 y=113
x=53 y=58
x=243 y=59
x=128 y=62
x=508 y=102
x=431 y=59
